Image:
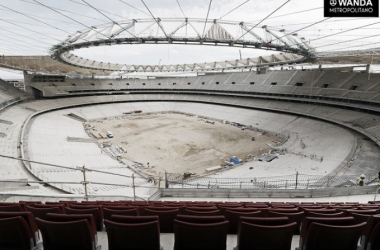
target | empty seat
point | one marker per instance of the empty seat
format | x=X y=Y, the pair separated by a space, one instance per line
x=321 y=211
x=372 y=221
x=41 y=212
x=121 y=207
x=133 y=219
x=60 y=206
x=373 y=242
x=133 y=236
x=284 y=210
x=264 y=237
x=109 y=212
x=98 y=216
x=202 y=209
x=12 y=208
x=29 y=218
x=166 y=218
x=73 y=235
x=359 y=218
x=341 y=221
x=266 y=221
x=15 y=234
x=293 y=217
x=200 y=236
x=23 y=204
x=315 y=214
x=223 y=208
x=243 y=209
x=157 y=209
x=200 y=219
x=204 y=213
x=75 y=217
x=234 y=216
x=366 y=211
x=327 y=237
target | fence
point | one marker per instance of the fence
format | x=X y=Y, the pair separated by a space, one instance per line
x=85 y=186
x=295 y=181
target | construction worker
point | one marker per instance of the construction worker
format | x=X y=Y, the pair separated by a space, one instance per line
x=360 y=180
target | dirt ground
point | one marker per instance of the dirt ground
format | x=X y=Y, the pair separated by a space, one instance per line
x=179 y=143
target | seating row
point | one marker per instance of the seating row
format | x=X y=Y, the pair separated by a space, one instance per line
x=62 y=231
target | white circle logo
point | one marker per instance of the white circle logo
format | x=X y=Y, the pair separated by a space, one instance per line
x=333 y=2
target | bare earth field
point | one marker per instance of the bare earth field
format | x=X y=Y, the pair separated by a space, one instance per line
x=178 y=143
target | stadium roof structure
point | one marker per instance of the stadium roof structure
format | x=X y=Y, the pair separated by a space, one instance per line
x=185 y=31
x=288 y=32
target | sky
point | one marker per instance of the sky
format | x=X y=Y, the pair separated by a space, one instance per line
x=32 y=27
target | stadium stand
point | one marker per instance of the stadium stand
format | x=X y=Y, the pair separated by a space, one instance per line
x=322 y=232
x=249 y=91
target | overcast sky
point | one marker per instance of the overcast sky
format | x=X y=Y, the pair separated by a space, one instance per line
x=29 y=28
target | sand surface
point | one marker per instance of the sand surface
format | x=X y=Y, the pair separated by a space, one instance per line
x=178 y=143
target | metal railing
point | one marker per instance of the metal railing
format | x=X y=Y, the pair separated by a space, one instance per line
x=295 y=181
x=84 y=186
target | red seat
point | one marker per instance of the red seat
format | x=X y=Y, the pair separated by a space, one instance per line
x=234 y=216
x=75 y=217
x=204 y=213
x=166 y=218
x=373 y=242
x=224 y=207
x=109 y=212
x=73 y=235
x=315 y=214
x=359 y=218
x=60 y=206
x=157 y=209
x=41 y=212
x=284 y=210
x=293 y=217
x=12 y=208
x=29 y=218
x=200 y=219
x=121 y=207
x=202 y=209
x=372 y=221
x=321 y=211
x=15 y=234
x=341 y=221
x=327 y=237
x=265 y=221
x=264 y=237
x=133 y=236
x=96 y=212
x=200 y=236
x=358 y=211
x=133 y=219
